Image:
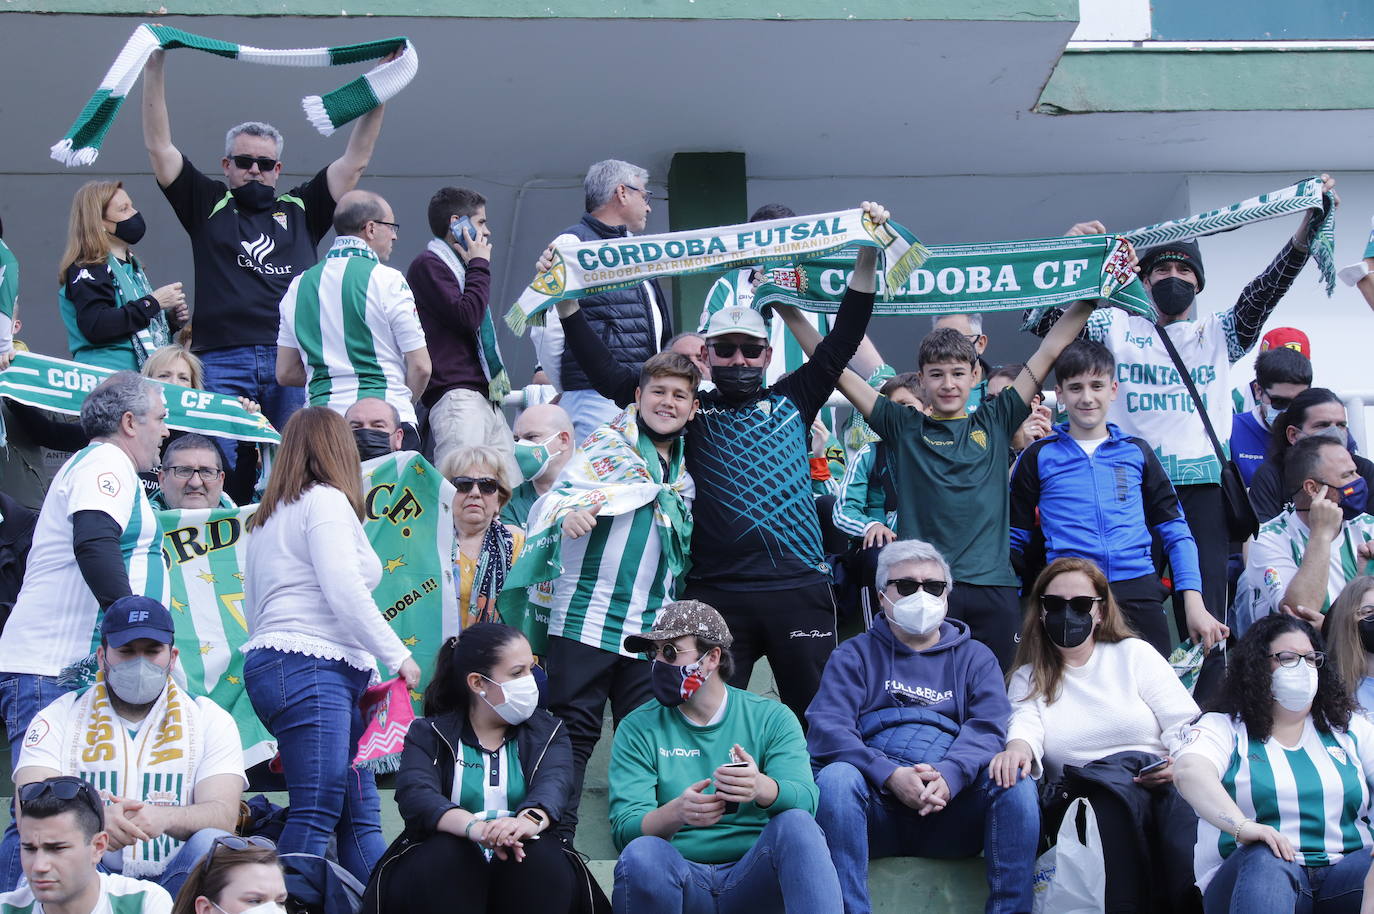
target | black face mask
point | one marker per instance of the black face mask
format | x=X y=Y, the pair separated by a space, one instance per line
x=1366 y=630
x=672 y=685
x=1068 y=628
x=737 y=383
x=1173 y=296
x=254 y=196
x=131 y=230
x=372 y=442
x=656 y=436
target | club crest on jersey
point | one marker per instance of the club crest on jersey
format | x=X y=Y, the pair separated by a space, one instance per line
x=1337 y=753
x=279 y=218
x=980 y=438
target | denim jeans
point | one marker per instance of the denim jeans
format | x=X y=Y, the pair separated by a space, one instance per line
x=785 y=870
x=251 y=371
x=192 y=851
x=311 y=707
x=860 y=824
x=22 y=696
x=1254 y=881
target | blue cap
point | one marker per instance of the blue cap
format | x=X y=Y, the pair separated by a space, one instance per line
x=133 y=617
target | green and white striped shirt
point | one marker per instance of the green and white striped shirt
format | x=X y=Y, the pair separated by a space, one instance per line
x=1316 y=794
x=489 y=782
x=1276 y=554
x=118 y=895
x=352 y=320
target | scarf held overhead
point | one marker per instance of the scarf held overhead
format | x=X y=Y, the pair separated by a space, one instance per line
x=957 y=278
x=584 y=268
x=61 y=386
x=327 y=113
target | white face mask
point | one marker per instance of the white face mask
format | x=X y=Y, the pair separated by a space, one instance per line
x=918 y=614
x=1295 y=686
x=522 y=697
x=267 y=907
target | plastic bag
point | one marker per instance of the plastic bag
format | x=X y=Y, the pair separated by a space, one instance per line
x=1069 y=878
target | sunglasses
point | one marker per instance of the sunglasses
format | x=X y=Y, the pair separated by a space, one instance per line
x=906 y=586
x=669 y=652
x=1279 y=402
x=247 y=162
x=486 y=485
x=65 y=787
x=1291 y=659
x=1051 y=603
x=236 y=843
x=750 y=350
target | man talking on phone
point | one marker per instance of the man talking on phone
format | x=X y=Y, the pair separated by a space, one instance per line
x=451 y=280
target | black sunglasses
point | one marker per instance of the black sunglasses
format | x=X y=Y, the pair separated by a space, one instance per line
x=236 y=843
x=486 y=485
x=1279 y=402
x=750 y=350
x=65 y=787
x=906 y=586
x=670 y=652
x=1051 y=603
x=247 y=162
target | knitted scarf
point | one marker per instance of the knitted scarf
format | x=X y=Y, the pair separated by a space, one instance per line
x=488 y=352
x=327 y=113
x=498 y=547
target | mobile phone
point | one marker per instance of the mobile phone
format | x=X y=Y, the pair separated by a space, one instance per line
x=732 y=808
x=1152 y=767
x=463 y=232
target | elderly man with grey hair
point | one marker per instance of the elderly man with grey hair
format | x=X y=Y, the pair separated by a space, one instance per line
x=248 y=240
x=97 y=540
x=635 y=323
x=916 y=688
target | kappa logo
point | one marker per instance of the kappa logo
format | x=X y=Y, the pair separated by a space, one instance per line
x=84 y=274
x=255 y=254
x=280 y=218
x=108 y=483
x=980 y=438
x=553 y=280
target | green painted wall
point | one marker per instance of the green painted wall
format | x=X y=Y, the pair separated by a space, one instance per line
x=704 y=189
x=955 y=10
x=1095 y=81
x=1261 y=20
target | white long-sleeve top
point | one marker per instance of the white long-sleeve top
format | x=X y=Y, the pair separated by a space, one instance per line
x=1125 y=698
x=308 y=585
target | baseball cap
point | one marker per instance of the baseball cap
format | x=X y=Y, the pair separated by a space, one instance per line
x=1182 y=251
x=736 y=320
x=1291 y=337
x=683 y=617
x=134 y=617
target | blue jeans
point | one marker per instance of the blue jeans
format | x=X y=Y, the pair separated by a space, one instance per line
x=251 y=371
x=861 y=824
x=311 y=707
x=785 y=870
x=22 y=696
x=1254 y=881
x=192 y=851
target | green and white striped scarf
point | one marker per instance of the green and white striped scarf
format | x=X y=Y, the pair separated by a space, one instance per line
x=9 y=280
x=488 y=350
x=584 y=268
x=327 y=113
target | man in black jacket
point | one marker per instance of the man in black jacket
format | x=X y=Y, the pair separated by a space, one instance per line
x=633 y=324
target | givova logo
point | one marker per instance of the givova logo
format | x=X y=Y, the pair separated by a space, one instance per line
x=255 y=254
x=679 y=753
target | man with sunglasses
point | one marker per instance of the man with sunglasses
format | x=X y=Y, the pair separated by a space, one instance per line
x=756 y=540
x=248 y=241
x=632 y=323
x=1280 y=375
x=917 y=672
x=169 y=766
x=62 y=839
x=349 y=326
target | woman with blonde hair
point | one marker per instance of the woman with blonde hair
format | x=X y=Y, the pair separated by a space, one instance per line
x=486 y=547
x=113 y=315
x=1349 y=633
x=315 y=636
x=1097 y=711
x=175 y=364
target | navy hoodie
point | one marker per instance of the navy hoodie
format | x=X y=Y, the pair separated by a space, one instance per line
x=957 y=677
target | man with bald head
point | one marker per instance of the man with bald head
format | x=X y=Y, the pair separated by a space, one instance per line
x=349 y=328
x=544 y=444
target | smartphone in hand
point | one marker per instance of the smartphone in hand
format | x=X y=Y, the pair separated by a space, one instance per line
x=732 y=808
x=463 y=232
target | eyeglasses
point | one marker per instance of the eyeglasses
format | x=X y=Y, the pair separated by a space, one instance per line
x=1051 y=603
x=906 y=586
x=972 y=337
x=206 y=474
x=394 y=226
x=1290 y=659
x=236 y=843
x=644 y=191
x=64 y=787
x=247 y=162
x=670 y=652
x=486 y=485
x=750 y=350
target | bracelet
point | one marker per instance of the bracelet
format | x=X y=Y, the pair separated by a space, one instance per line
x=467 y=830
x=1039 y=385
x=1239 y=826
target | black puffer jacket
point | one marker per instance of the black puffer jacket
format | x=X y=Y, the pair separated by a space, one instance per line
x=623 y=318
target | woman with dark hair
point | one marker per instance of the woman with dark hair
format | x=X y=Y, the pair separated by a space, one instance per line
x=1315 y=411
x=484 y=777
x=238 y=876
x=1097 y=710
x=1280 y=776
x=1349 y=630
x=315 y=636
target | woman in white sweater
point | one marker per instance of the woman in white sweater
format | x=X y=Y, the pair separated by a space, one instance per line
x=315 y=636
x=1089 y=695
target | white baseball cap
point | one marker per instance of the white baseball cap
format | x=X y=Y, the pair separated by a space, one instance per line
x=736 y=320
